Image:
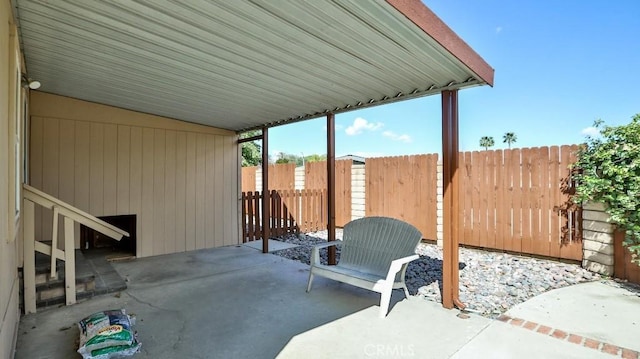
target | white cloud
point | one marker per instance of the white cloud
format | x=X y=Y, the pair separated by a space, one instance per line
x=498 y=29
x=360 y=124
x=590 y=131
x=396 y=137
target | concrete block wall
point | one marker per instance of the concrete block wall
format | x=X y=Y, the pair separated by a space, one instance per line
x=439 y=205
x=357 y=191
x=259 y=179
x=298 y=181
x=597 y=242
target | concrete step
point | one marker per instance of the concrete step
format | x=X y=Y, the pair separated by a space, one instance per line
x=94 y=276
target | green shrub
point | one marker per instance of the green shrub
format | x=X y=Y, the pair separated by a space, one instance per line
x=608 y=172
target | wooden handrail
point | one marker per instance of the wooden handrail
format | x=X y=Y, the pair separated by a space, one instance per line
x=72 y=212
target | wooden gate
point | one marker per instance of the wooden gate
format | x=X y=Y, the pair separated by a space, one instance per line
x=290 y=212
x=405 y=188
x=315 y=177
x=518 y=200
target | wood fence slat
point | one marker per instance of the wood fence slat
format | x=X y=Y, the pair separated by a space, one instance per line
x=507 y=190
x=499 y=204
x=256 y=221
x=564 y=198
x=574 y=250
x=490 y=195
x=525 y=180
x=516 y=244
x=476 y=159
x=555 y=184
x=244 y=217
x=468 y=200
x=534 y=201
x=314 y=207
x=545 y=202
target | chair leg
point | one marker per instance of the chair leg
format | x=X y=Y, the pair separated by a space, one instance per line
x=310 y=281
x=406 y=290
x=385 y=298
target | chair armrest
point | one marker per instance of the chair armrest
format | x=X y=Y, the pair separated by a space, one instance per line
x=396 y=266
x=315 y=251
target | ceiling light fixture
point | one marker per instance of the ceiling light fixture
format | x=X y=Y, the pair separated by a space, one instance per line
x=32 y=84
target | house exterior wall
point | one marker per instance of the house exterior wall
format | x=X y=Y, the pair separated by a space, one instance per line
x=180 y=179
x=9 y=215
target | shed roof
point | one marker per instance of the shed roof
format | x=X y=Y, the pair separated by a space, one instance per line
x=239 y=65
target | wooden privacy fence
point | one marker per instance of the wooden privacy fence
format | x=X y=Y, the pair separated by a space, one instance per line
x=291 y=211
x=281 y=177
x=315 y=177
x=404 y=188
x=513 y=200
x=518 y=200
x=249 y=179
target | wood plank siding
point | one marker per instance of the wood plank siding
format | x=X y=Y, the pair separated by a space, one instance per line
x=180 y=179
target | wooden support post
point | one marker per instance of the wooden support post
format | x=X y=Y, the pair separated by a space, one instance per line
x=266 y=202
x=331 y=186
x=69 y=261
x=29 y=223
x=450 y=270
x=54 y=243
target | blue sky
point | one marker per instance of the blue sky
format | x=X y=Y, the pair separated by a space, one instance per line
x=559 y=66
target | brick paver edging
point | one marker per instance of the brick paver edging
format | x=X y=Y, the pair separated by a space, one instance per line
x=620 y=352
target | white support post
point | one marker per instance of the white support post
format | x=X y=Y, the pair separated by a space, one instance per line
x=54 y=243
x=29 y=273
x=69 y=261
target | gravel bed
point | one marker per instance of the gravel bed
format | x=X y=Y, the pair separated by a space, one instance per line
x=490 y=282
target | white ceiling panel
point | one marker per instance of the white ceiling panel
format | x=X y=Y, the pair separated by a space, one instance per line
x=235 y=64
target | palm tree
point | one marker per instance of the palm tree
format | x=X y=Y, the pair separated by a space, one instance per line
x=509 y=138
x=486 y=142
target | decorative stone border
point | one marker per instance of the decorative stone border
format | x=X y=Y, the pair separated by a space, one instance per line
x=620 y=352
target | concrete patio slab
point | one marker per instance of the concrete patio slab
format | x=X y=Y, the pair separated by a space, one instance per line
x=415 y=328
x=231 y=302
x=504 y=341
x=235 y=302
x=596 y=310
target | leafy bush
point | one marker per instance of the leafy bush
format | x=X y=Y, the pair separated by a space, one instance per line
x=608 y=171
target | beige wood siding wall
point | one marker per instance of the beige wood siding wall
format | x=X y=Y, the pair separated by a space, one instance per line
x=9 y=231
x=180 y=179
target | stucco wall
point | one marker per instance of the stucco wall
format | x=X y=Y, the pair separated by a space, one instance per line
x=180 y=179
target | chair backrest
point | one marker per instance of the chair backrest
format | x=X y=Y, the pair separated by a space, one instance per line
x=369 y=244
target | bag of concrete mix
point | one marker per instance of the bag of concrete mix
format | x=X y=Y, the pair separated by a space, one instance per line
x=107 y=334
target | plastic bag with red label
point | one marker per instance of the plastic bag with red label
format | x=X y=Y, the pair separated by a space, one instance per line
x=107 y=334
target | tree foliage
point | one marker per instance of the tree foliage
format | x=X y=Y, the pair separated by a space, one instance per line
x=509 y=138
x=251 y=151
x=608 y=172
x=486 y=142
x=299 y=160
x=315 y=158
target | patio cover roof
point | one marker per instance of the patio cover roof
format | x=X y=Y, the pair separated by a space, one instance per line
x=243 y=64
